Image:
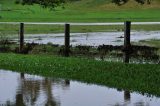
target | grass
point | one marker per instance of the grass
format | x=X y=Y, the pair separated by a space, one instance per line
x=151 y=42
x=6 y=29
x=134 y=77
x=81 y=11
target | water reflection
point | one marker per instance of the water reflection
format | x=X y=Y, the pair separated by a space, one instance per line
x=127 y=96
x=30 y=89
x=47 y=87
x=27 y=90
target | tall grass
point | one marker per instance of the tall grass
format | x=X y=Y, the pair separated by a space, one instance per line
x=134 y=77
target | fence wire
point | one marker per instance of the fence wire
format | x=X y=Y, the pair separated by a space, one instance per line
x=104 y=42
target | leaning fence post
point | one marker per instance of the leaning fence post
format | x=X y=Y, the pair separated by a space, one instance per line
x=21 y=37
x=67 y=40
x=127 y=45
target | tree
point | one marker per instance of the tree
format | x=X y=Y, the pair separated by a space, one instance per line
x=44 y=3
x=121 y=2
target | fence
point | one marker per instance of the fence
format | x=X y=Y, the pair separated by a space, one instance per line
x=127 y=48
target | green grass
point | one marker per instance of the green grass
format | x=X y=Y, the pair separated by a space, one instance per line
x=151 y=42
x=134 y=77
x=81 y=11
x=6 y=29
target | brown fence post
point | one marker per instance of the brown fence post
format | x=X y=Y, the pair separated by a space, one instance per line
x=21 y=37
x=67 y=40
x=127 y=45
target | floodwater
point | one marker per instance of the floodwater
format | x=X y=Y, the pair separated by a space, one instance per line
x=62 y=23
x=28 y=90
x=92 y=38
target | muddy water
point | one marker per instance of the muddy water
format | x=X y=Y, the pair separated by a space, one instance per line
x=18 y=89
x=92 y=39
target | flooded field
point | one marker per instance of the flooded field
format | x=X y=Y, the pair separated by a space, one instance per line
x=80 y=41
x=17 y=89
x=92 y=39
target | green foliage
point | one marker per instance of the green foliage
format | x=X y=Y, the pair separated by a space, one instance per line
x=80 y=11
x=17 y=2
x=121 y=2
x=133 y=77
x=74 y=0
x=43 y=3
x=4 y=47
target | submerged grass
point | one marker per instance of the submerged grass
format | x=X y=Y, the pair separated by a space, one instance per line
x=134 y=77
x=151 y=42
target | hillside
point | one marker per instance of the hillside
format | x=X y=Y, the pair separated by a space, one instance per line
x=81 y=11
x=108 y=5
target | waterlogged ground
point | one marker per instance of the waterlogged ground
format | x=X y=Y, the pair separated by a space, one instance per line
x=92 y=39
x=23 y=89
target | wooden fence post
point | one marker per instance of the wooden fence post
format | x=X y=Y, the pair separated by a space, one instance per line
x=127 y=45
x=21 y=37
x=67 y=40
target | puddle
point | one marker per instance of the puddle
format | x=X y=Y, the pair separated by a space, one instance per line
x=92 y=39
x=18 y=89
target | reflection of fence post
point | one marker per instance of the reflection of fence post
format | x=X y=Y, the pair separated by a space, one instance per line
x=21 y=37
x=127 y=45
x=127 y=96
x=67 y=82
x=22 y=75
x=67 y=40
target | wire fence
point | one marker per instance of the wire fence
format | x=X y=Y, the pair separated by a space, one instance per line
x=101 y=41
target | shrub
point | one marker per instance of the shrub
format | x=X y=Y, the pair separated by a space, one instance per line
x=17 y=2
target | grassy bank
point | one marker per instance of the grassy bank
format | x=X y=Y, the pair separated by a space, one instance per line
x=133 y=77
x=78 y=11
x=81 y=11
x=6 y=29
